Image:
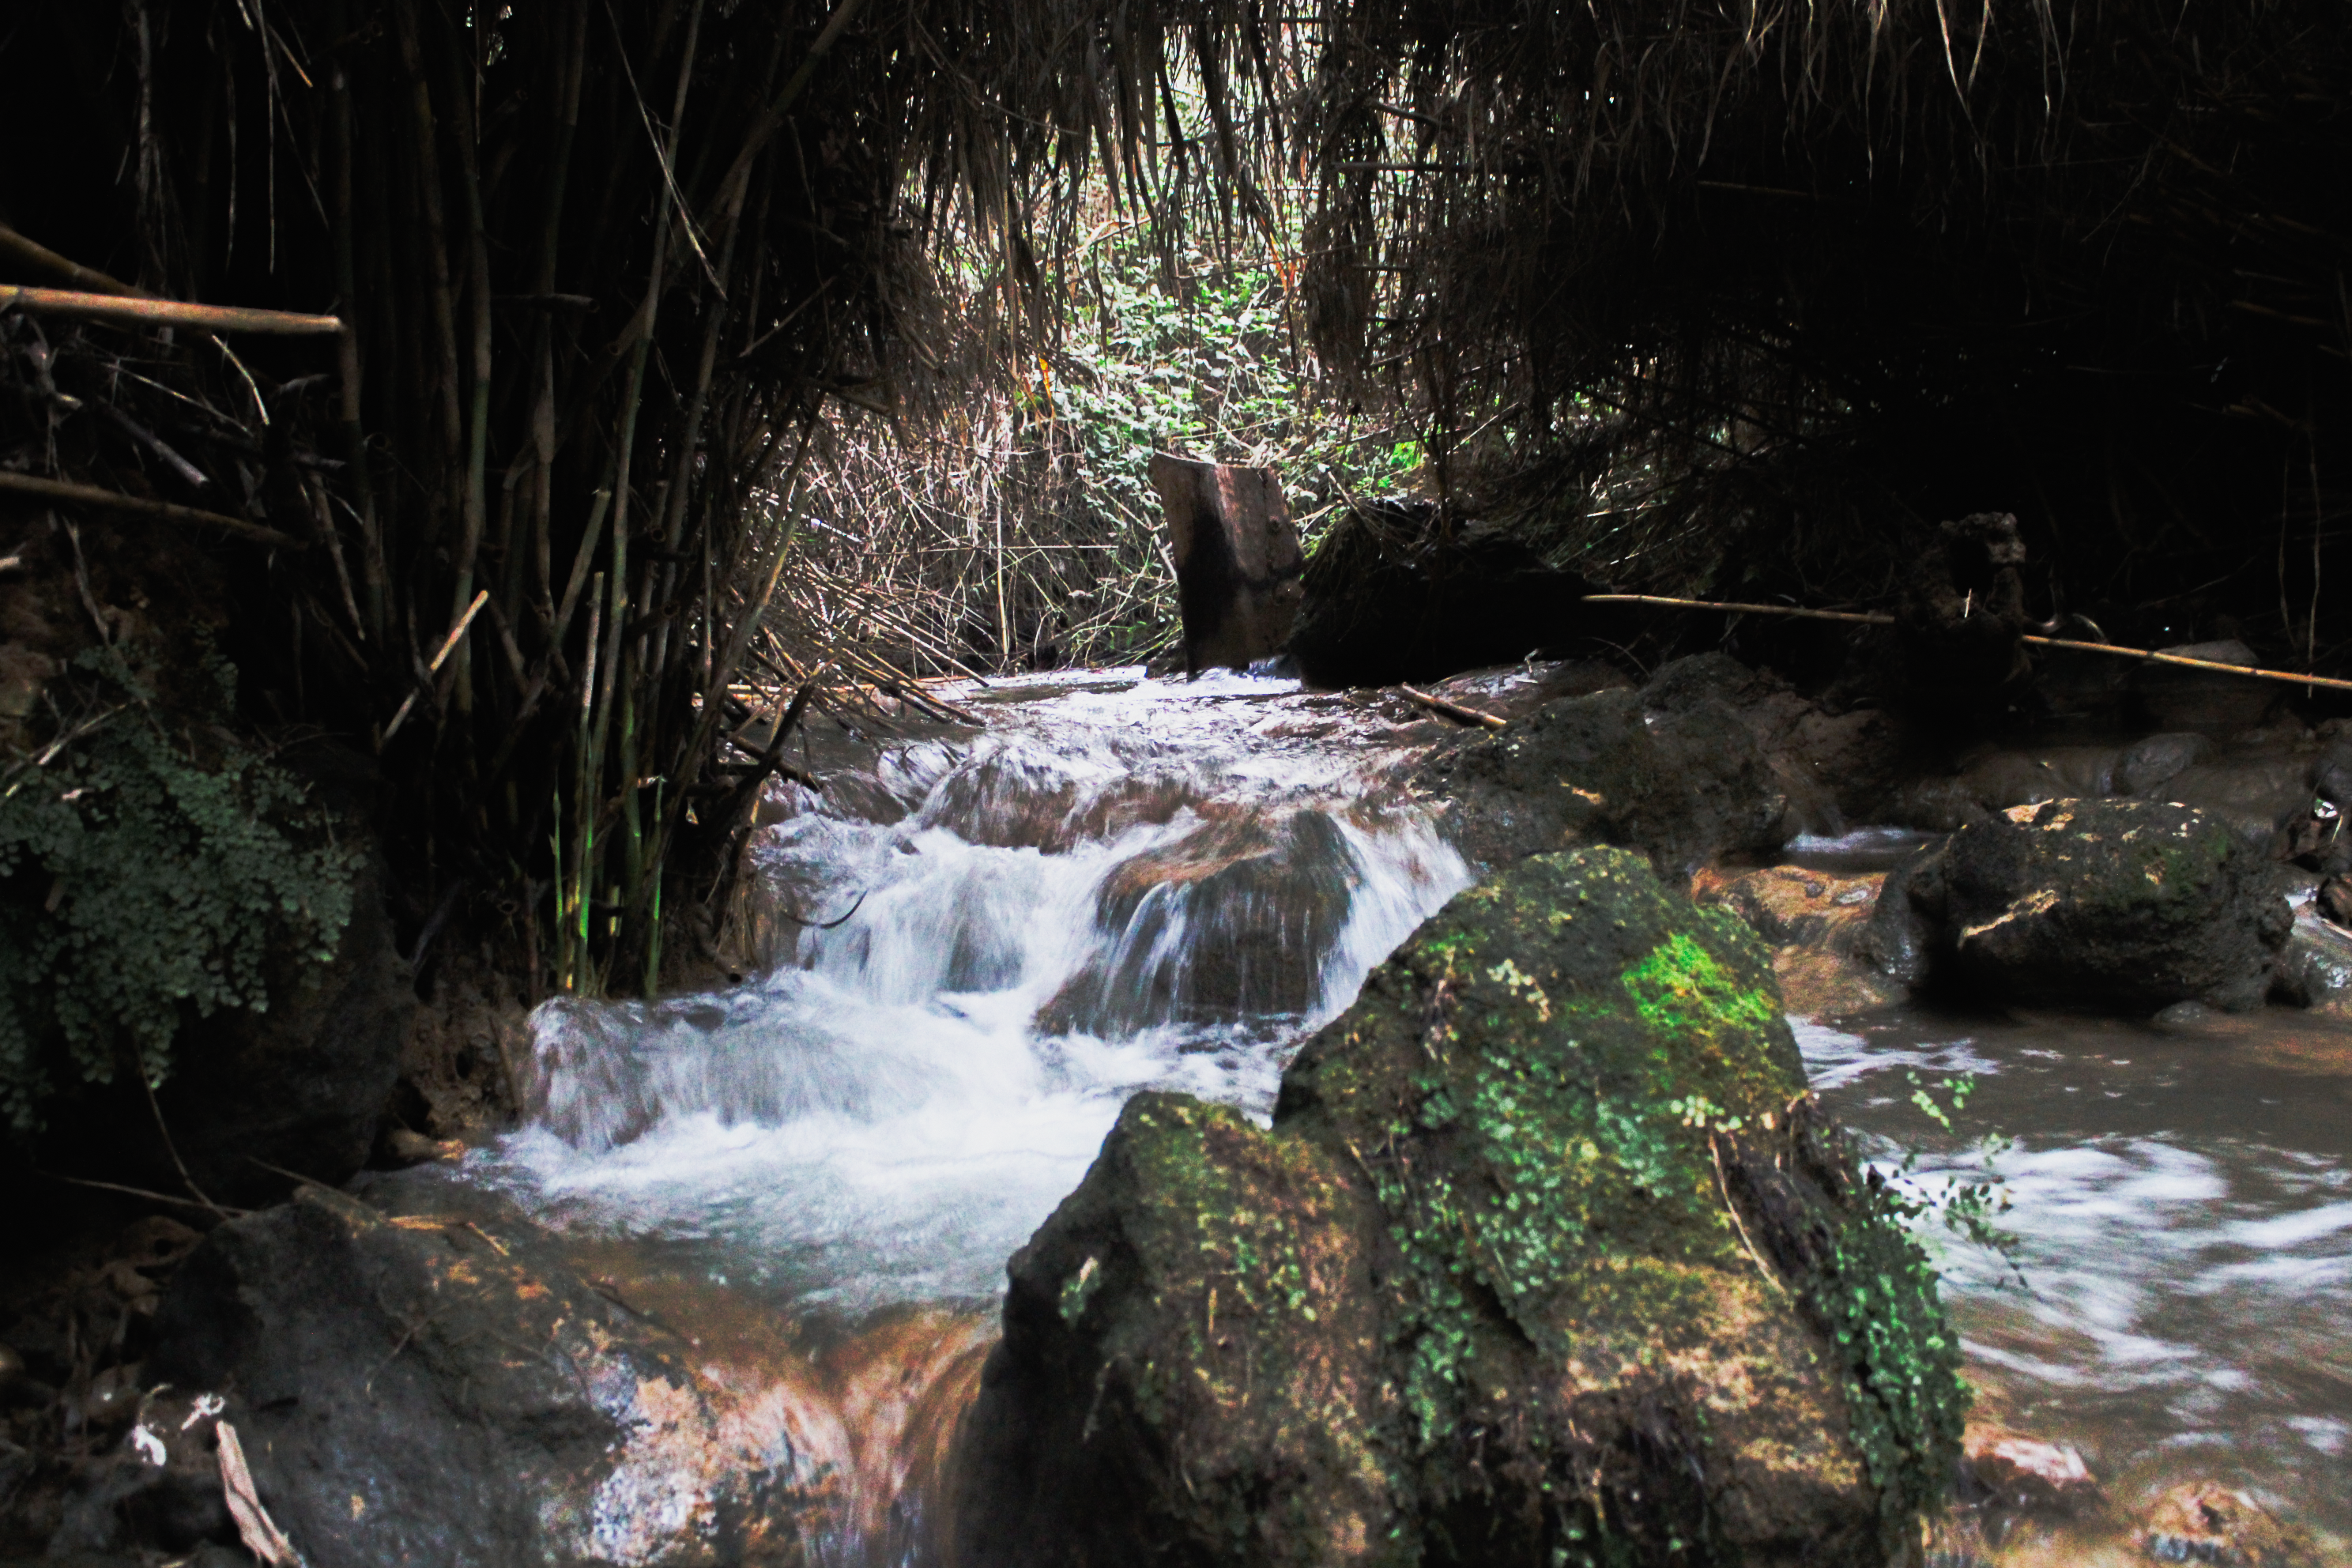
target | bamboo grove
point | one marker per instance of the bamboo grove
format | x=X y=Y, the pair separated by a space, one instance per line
x=604 y=263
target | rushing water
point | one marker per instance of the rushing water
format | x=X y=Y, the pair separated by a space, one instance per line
x=2181 y=1207
x=991 y=939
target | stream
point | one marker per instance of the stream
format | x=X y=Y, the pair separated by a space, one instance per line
x=984 y=942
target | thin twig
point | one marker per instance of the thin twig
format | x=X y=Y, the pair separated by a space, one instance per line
x=1455 y=711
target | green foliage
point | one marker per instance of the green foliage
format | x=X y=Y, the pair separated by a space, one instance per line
x=1877 y=1293
x=1207 y=363
x=146 y=878
x=1905 y=1395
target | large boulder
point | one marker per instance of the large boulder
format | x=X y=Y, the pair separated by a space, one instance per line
x=1546 y=1257
x=1397 y=591
x=1674 y=769
x=2128 y=904
x=430 y=1389
x=1237 y=916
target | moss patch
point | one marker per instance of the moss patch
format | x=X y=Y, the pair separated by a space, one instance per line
x=1482 y=1293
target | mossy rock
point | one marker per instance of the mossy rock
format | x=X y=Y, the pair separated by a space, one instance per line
x=1669 y=769
x=1546 y=1259
x=2130 y=904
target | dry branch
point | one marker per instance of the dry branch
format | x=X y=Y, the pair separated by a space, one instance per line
x=69 y=494
x=1877 y=618
x=1455 y=711
x=166 y=314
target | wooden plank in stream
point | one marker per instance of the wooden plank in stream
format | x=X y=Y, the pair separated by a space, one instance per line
x=1237 y=559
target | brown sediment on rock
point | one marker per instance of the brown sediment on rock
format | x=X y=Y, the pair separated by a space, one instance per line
x=1811 y=920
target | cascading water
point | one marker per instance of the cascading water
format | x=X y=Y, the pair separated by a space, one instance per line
x=992 y=943
x=1051 y=924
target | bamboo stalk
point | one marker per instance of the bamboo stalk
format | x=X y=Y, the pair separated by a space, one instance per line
x=151 y=312
x=66 y=493
x=575 y=977
x=439 y=658
x=27 y=252
x=475 y=505
x=667 y=212
x=1873 y=618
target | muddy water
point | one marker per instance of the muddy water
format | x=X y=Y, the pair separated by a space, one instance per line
x=985 y=942
x=2181 y=1207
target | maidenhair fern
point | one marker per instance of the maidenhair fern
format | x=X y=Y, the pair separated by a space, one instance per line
x=147 y=878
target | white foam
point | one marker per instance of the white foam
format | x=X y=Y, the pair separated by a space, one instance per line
x=881 y=1118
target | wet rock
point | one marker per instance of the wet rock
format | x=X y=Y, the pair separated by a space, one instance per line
x=1686 y=786
x=2331 y=776
x=1811 y=920
x=2316 y=969
x=421 y=1389
x=2148 y=764
x=2207 y=1523
x=2182 y=698
x=1235 y=918
x=2334 y=899
x=2009 y=1470
x=2125 y=904
x=1545 y=1242
x=2190 y=1018
x=1935 y=805
x=2256 y=794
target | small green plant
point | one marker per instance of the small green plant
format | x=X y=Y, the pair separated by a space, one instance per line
x=147 y=877
x=1967 y=1208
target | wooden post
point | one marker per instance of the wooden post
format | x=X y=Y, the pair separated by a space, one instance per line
x=1237 y=560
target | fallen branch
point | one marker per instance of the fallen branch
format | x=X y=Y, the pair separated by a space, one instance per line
x=137 y=312
x=2151 y=656
x=1453 y=710
x=70 y=494
x=1791 y=611
x=219 y=1211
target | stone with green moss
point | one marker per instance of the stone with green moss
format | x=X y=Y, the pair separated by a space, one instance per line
x=1546 y=1259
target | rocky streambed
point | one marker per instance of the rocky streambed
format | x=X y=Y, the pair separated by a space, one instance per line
x=1537 y=1248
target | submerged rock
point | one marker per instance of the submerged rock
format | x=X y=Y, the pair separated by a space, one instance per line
x=2121 y=904
x=2006 y=1469
x=1238 y=917
x=425 y=1389
x=1545 y=1258
x=2207 y=1523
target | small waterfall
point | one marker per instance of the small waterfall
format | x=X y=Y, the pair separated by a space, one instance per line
x=990 y=946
